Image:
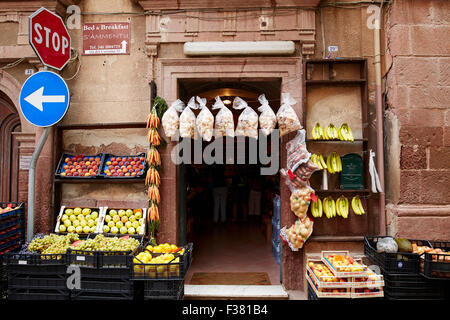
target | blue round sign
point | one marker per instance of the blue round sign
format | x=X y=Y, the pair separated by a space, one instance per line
x=44 y=99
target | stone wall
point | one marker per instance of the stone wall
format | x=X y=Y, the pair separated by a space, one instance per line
x=418 y=119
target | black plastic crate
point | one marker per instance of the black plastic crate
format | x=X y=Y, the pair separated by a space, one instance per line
x=101 y=295
x=399 y=262
x=3 y=280
x=11 y=243
x=35 y=259
x=140 y=174
x=60 y=168
x=100 y=259
x=160 y=289
x=19 y=212
x=11 y=222
x=412 y=287
x=37 y=294
x=37 y=281
x=170 y=270
x=16 y=230
x=436 y=266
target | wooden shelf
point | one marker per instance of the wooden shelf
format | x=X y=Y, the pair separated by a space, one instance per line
x=337 y=141
x=336 y=238
x=94 y=126
x=100 y=181
x=337 y=82
x=343 y=191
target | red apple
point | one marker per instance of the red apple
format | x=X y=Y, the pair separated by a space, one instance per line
x=133 y=174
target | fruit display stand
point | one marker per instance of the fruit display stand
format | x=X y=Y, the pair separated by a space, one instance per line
x=124 y=166
x=12 y=226
x=326 y=285
x=133 y=220
x=105 y=275
x=435 y=261
x=161 y=275
x=79 y=166
x=336 y=92
x=87 y=227
x=342 y=265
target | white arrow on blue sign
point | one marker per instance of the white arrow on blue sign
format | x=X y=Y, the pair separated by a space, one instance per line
x=44 y=99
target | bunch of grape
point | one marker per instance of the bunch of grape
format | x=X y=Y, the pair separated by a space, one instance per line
x=52 y=244
x=102 y=243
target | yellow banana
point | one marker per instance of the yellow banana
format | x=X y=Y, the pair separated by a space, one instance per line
x=346 y=207
x=360 y=206
x=355 y=206
x=319 y=207
x=322 y=161
x=338 y=207
x=329 y=165
x=333 y=205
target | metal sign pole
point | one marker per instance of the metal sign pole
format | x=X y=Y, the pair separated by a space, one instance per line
x=31 y=179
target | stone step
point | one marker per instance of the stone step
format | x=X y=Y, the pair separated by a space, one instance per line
x=234 y=292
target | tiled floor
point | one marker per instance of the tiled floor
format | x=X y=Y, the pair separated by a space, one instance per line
x=233 y=247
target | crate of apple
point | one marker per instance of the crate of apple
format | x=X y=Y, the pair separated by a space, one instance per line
x=80 y=166
x=124 y=166
x=77 y=220
x=125 y=221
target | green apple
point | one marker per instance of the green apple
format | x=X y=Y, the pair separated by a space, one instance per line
x=106 y=229
x=129 y=212
x=140 y=229
x=76 y=223
x=88 y=217
x=64 y=217
x=83 y=223
x=111 y=224
x=79 y=229
x=114 y=230
x=86 y=229
x=135 y=224
x=131 y=230
x=72 y=218
x=119 y=224
x=93 y=229
x=91 y=223
x=128 y=224
x=116 y=218
x=122 y=213
x=124 y=219
x=123 y=230
x=112 y=212
x=77 y=211
x=71 y=229
x=138 y=215
x=69 y=212
x=67 y=223
x=108 y=218
x=94 y=215
x=86 y=211
x=132 y=218
x=62 y=228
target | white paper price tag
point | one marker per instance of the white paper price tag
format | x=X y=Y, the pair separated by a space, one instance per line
x=22 y=262
x=81 y=258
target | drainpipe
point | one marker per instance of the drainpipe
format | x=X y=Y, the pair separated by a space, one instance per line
x=379 y=113
x=31 y=179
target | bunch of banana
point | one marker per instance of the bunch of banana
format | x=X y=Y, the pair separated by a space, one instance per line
x=345 y=133
x=317 y=132
x=342 y=207
x=318 y=160
x=334 y=163
x=329 y=207
x=357 y=206
x=316 y=208
x=331 y=132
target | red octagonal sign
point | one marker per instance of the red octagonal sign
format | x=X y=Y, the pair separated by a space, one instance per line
x=49 y=38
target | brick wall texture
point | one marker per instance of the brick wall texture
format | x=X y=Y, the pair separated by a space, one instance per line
x=418 y=92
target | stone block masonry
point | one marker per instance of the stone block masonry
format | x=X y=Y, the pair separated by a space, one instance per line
x=418 y=92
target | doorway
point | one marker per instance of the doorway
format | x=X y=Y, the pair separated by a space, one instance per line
x=226 y=209
x=9 y=151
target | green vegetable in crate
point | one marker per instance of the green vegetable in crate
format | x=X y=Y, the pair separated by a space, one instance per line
x=404 y=245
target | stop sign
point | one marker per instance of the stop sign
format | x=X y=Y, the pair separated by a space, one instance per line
x=49 y=38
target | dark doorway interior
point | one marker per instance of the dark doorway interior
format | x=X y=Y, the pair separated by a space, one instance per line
x=237 y=239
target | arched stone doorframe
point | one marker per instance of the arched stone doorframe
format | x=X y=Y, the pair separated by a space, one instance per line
x=169 y=71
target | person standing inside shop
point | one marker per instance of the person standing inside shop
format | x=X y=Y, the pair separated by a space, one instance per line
x=240 y=193
x=219 y=193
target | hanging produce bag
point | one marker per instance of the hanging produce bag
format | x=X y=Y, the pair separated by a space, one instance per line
x=205 y=121
x=267 y=118
x=224 y=124
x=296 y=236
x=248 y=119
x=170 y=120
x=287 y=118
x=187 y=120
